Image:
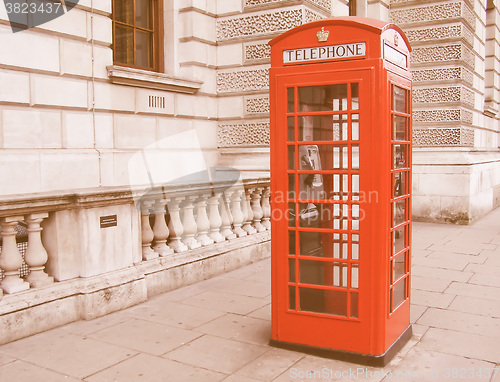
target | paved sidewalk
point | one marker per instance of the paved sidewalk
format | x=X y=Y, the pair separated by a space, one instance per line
x=218 y=330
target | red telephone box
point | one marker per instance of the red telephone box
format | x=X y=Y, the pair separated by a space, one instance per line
x=340 y=94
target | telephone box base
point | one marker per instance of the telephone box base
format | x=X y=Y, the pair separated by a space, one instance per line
x=341 y=355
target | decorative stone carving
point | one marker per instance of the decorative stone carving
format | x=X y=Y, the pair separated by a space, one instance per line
x=441 y=94
x=442 y=74
x=439 y=33
x=271 y=22
x=256 y=105
x=434 y=12
x=310 y=16
x=442 y=53
x=325 y=4
x=244 y=134
x=447 y=115
x=453 y=136
x=254 y=52
x=243 y=80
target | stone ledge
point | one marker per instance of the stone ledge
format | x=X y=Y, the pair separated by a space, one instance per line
x=145 y=79
x=37 y=310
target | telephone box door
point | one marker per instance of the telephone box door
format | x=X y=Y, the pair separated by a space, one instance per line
x=322 y=134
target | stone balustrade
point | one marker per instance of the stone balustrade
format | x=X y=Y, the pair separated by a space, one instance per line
x=170 y=221
x=185 y=220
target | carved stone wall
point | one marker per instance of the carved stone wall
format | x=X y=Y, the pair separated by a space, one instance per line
x=445 y=11
x=439 y=33
x=324 y=4
x=453 y=136
x=443 y=53
x=256 y=52
x=242 y=80
x=443 y=74
x=258 y=24
x=256 y=105
x=243 y=135
x=444 y=94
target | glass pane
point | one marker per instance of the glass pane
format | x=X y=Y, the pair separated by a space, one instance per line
x=318 y=215
x=354 y=305
x=354 y=96
x=354 y=277
x=399 y=181
x=124 y=11
x=291 y=294
x=323 y=301
x=355 y=157
x=355 y=217
x=323 y=98
x=291 y=243
x=124 y=45
x=355 y=187
x=144 y=49
x=340 y=246
x=340 y=127
x=323 y=127
x=323 y=157
x=143 y=14
x=399 y=102
x=291 y=157
x=291 y=270
x=399 y=156
x=398 y=294
x=355 y=247
x=291 y=186
x=291 y=129
x=355 y=127
x=291 y=215
x=399 y=240
x=290 y=100
x=310 y=244
x=400 y=128
x=340 y=157
x=399 y=212
x=316 y=187
x=398 y=267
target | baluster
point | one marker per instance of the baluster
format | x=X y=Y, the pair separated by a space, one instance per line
x=189 y=223
x=225 y=213
x=160 y=229
x=10 y=257
x=202 y=221
x=175 y=225
x=147 y=232
x=36 y=255
x=215 y=219
x=257 y=210
x=237 y=214
x=266 y=208
x=247 y=212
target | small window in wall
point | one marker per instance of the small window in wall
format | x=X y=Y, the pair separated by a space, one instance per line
x=352 y=7
x=137 y=33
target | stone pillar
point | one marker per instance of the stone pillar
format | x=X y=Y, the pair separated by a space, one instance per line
x=10 y=257
x=36 y=256
x=266 y=208
x=189 y=223
x=147 y=234
x=225 y=213
x=247 y=212
x=175 y=225
x=202 y=221
x=237 y=214
x=215 y=219
x=160 y=229
x=257 y=210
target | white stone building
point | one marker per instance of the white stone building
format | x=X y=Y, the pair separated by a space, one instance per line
x=104 y=102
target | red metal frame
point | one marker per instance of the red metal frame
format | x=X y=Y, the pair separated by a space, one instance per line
x=356 y=317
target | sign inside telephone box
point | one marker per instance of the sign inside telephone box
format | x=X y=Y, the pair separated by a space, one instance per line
x=340 y=98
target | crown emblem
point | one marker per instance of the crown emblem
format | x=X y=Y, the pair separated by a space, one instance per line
x=322 y=35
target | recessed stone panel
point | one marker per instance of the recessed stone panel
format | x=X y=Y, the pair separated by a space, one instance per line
x=243 y=134
x=453 y=136
x=243 y=80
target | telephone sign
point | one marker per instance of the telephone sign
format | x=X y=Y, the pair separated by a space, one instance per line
x=340 y=93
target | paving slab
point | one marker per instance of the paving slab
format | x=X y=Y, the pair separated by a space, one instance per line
x=475 y=305
x=474 y=290
x=20 y=371
x=217 y=354
x=67 y=353
x=226 y=302
x=148 y=368
x=145 y=336
x=431 y=299
x=467 y=345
